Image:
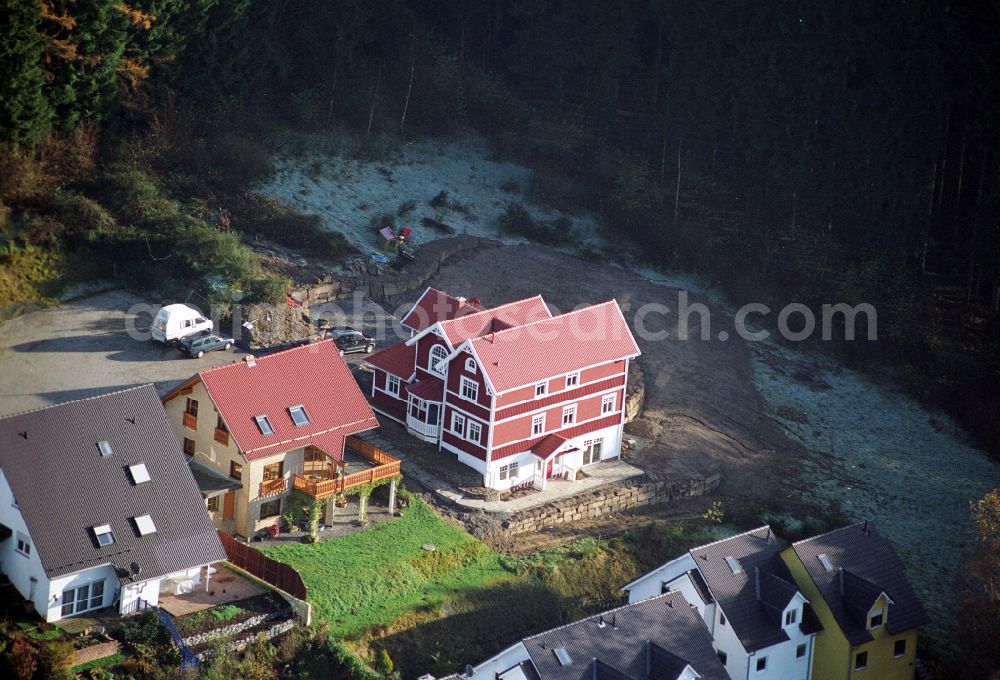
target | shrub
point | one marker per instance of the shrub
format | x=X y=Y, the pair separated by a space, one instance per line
x=22 y=659
x=405 y=208
x=55 y=659
x=382 y=219
x=518 y=221
x=274 y=221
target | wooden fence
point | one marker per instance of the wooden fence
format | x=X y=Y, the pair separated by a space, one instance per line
x=253 y=561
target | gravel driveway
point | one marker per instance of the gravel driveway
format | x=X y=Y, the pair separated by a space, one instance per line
x=81 y=349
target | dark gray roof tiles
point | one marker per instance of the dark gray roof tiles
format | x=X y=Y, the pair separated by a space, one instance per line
x=64 y=487
x=736 y=593
x=624 y=641
x=870 y=563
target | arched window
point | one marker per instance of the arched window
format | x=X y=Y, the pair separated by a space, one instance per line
x=470 y=365
x=437 y=355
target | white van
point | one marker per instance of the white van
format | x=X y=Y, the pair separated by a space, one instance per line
x=174 y=322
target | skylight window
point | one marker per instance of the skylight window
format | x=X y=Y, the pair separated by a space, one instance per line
x=139 y=473
x=825 y=561
x=105 y=448
x=144 y=524
x=563 y=656
x=265 y=425
x=299 y=415
x=104 y=534
x=734 y=566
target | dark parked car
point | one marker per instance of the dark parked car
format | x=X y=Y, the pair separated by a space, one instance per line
x=349 y=341
x=196 y=345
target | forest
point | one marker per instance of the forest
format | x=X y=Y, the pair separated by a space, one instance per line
x=809 y=151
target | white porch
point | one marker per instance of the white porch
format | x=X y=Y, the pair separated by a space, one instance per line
x=424 y=408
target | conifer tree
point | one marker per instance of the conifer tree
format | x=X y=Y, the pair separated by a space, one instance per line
x=25 y=113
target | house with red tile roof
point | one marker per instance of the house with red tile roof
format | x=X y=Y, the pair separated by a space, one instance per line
x=254 y=430
x=514 y=392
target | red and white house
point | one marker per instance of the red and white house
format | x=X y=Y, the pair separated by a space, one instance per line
x=516 y=393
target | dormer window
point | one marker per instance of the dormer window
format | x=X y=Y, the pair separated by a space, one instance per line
x=734 y=566
x=144 y=523
x=572 y=380
x=299 y=415
x=264 y=424
x=876 y=618
x=541 y=389
x=104 y=535
x=791 y=617
x=435 y=362
x=105 y=448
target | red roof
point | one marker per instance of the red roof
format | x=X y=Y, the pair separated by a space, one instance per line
x=568 y=433
x=399 y=360
x=510 y=315
x=533 y=352
x=314 y=376
x=548 y=445
x=428 y=389
x=433 y=306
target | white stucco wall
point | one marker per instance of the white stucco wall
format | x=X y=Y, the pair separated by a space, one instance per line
x=650 y=584
x=21 y=569
x=53 y=610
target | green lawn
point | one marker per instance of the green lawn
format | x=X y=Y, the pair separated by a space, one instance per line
x=375 y=576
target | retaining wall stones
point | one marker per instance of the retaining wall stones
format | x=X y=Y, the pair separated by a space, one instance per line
x=226 y=631
x=635 y=392
x=272 y=632
x=607 y=500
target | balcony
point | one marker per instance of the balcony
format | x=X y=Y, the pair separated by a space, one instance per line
x=190 y=421
x=358 y=453
x=269 y=487
x=222 y=436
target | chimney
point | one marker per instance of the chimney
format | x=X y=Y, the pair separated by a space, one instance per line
x=23 y=434
x=767 y=538
x=250 y=360
x=865 y=529
x=600 y=621
x=614 y=621
x=840 y=579
x=461 y=301
x=756 y=579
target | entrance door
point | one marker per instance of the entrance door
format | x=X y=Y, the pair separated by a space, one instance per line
x=229 y=505
x=548 y=469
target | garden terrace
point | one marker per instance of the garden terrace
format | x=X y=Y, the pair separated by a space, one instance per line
x=330 y=482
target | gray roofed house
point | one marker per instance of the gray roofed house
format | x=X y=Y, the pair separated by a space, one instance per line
x=662 y=638
x=852 y=567
x=102 y=507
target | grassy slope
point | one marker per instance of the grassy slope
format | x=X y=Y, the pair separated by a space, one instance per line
x=373 y=577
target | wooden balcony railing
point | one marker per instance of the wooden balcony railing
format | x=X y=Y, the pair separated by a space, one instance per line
x=386 y=466
x=222 y=436
x=190 y=421
x=270 y=487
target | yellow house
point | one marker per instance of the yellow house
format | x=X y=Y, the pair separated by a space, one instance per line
x=870 y=614
x=256 y=429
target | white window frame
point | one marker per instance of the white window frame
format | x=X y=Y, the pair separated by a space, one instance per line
x=538 y=424
x=541 y=389
x=588 y=450
x=791 y=617
x=104 y=530
x=23 y=545
x=514 y=470
x=758 y=667
x=145 y=525
x=470 y=365
x=478 y=427
x=880 y=612
x=607 y=404
x=860 y=665
x=569 y=412
x=573 y=380
x=392 y=384
x=458 y=424
x=469 y=389
x=73 y=605
x=803 y=648
x=433 y=362
x=140 y=474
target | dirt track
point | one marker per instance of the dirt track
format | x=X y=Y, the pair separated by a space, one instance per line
x=702 y=411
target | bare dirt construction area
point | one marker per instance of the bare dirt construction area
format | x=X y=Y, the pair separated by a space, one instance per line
x=702 y=411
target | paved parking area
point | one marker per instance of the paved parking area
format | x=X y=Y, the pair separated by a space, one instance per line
x=81 y=349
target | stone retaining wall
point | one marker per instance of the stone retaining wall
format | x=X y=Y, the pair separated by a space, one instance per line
x=272 y=632
x=607 y=500
x=94 y=652
x=226 y=631
x=635 y=392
